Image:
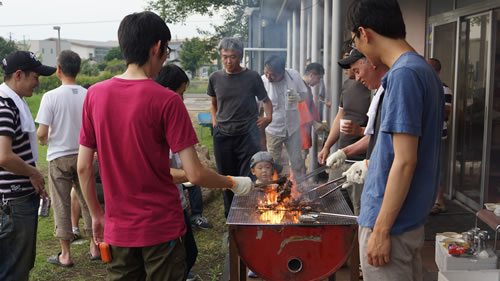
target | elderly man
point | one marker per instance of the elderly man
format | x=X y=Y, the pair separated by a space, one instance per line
x=285 y=89
x=354 y=103
x=234 y=91
x=20 y=180
x=402 y=175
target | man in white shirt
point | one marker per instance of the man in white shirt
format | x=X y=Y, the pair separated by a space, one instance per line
x=60 y=119
x=285 y=88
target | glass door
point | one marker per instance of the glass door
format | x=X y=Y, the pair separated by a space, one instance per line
x=493 y=183
x=444 y=49
x=469 y=113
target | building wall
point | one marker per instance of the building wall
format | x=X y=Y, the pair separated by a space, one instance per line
x=83 y=52
x=414 y=14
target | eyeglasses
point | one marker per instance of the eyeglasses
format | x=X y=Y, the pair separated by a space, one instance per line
x=169 y=50
x=352 y=43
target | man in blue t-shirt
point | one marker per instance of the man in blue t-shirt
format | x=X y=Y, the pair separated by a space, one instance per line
x=402 y=175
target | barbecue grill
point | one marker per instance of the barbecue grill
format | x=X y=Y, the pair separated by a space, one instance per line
x=277 y=246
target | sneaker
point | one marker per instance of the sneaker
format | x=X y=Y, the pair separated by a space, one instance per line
x=76 y=236
x=200 y=222
x=251 y=274
x=190 y=277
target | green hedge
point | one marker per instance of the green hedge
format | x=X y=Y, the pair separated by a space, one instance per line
x=48 y=83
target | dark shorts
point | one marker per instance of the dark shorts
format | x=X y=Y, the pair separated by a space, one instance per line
x=165 y=261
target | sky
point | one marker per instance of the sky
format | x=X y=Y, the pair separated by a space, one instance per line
x=95 y=20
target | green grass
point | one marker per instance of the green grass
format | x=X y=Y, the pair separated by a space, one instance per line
x=210 y=261
x=197 y=87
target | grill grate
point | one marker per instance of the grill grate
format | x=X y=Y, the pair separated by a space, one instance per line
x=244 y=209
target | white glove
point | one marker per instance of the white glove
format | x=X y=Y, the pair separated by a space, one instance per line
x=356 y=173
x=293 y=98
x=242 y=185
x=187 y=184
x=336 y=159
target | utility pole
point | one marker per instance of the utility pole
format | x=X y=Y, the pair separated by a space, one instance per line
x=58 y=46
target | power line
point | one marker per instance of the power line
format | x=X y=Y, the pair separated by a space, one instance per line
x=81 y=22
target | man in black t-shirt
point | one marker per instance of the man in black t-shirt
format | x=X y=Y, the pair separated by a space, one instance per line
x=234 y=91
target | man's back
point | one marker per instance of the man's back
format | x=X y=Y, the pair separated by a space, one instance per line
x=61 y=110
x=136 y=123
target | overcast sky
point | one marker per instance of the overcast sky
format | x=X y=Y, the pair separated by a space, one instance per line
x=95 y=20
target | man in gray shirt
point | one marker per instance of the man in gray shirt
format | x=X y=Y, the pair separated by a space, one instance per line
x=354 y=104
x=234 y=90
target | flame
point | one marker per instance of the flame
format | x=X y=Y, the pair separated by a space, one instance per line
x=279 y=212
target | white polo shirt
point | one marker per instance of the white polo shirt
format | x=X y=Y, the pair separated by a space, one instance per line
x=286 y=118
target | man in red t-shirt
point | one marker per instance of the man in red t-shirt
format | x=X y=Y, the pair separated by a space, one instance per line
x=133 y=123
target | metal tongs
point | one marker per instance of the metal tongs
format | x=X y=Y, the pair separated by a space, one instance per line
x=339 y=185
x=314 y=216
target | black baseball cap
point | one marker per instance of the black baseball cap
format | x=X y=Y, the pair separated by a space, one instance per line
x=354 y=55
x=23 y=60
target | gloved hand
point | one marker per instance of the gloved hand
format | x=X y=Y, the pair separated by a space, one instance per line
x=336 y=159
x=293 y=97
x=241 y=185
x=356 y=173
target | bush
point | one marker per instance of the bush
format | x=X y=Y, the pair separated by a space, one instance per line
x=116 y=66
x=85 y=79
x=47 y=83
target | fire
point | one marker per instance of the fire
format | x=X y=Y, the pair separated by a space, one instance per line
x=279 y=211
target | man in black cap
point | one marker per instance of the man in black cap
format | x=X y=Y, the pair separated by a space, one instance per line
x=21 y=184
x=348 y=126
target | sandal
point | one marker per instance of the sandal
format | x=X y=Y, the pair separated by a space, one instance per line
x=92 y=258
x=438 y=208
x=55 y=260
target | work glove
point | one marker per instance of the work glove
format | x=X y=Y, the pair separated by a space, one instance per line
x=336 y=159
x=293 y=97
x=356 y=173
x=241 y=185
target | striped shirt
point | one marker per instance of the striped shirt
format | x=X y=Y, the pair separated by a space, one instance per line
x=12 y=185
x=448 y=97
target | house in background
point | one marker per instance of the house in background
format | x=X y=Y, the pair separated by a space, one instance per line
x=93 y=50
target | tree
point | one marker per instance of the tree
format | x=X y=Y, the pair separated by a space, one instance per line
x=6 y=47
x=235 y=23
x=89 y=67
x=195 y=53
x=113 y=53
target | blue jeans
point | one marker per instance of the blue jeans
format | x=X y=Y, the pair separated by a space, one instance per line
x=18 y=238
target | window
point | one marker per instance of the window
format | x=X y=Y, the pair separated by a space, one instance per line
x=51 y=50
x=43 y=51
x=440 y=6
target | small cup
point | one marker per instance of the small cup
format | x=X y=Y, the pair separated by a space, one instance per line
x=342 y=122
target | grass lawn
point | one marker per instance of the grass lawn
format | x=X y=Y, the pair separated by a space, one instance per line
x=209 y=264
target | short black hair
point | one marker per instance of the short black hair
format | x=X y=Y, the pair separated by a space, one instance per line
x=436 y=64
x=138 y=32
x=69 y=62
x=382 y=16
x=7 y=77
x=172 y=77
x=316 y=68
x=275 y=63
